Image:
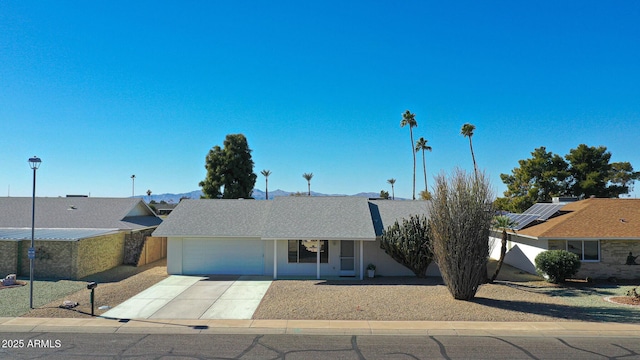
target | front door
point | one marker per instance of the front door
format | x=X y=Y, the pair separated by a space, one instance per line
x=347 y=258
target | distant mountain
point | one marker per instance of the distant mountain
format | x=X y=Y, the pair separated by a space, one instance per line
x=257 y=194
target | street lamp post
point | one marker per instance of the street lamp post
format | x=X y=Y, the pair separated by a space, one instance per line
x=133 y=185
x=34 y=163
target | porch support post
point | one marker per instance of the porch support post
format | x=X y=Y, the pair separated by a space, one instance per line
x=275 y=259
x=318 y=260
x=361 y=260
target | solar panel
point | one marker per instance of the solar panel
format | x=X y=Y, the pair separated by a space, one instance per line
x=522 y=220
x=544 y=210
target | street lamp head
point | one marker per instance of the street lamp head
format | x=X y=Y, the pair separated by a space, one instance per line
x=34 y=162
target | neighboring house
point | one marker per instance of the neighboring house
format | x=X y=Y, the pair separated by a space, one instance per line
x=163 y=209
x=281 y=238
x=602 y=232
x=74 y=236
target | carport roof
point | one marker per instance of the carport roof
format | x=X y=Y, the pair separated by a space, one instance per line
x=17 y=234
x=77 y=213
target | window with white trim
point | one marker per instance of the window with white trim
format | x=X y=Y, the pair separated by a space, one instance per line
x=587 y=250
x=306 y=251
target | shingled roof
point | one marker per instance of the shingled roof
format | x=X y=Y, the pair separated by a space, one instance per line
x=592 y=218
x=219 y=217
x=327 y=218
x=77 y=213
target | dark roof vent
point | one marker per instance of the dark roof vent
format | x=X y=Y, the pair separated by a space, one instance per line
x=563 y=199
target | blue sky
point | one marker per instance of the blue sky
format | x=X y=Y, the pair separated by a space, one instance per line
x=102 y=90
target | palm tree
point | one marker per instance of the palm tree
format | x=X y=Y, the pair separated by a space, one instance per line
x=467 y=131
x=149 y=195
x=502 y=223
x=410 y=119
x=266 y=174
x=308 y=177
x=392 y=181
x=421 y=144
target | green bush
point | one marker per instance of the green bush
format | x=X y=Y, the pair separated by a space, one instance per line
x=557 y=265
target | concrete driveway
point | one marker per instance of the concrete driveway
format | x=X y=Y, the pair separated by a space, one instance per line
x=194 y=297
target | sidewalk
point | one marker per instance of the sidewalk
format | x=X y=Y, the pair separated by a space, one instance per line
x=319 y=327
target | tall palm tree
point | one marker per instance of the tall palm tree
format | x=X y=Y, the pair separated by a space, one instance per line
x=392 y=181
x=421 y=144
x=467 y=131
x=308 y=177
x=266 y=174
x=503 y=223
x=409 y=118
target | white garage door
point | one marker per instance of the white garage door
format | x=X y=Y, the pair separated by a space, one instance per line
x=223 y=257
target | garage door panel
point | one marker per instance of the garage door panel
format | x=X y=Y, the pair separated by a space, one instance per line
x=223 y=257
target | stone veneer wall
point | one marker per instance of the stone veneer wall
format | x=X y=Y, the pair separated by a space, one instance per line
x=134 y=244
x=98 y=254
x=613 y=257
x=8 y=258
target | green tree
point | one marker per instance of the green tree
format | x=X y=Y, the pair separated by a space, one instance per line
x=585 y=172
x=502 y=223
x=467 y=131
x=421 y=145
x=392 y=181
x=266 y=174
x=537 y=179
x=593 y=175
x=384 y=194
x=409 y=244
x=229 y=170
x=460 y=217
x=409 y=119
x=308 y=176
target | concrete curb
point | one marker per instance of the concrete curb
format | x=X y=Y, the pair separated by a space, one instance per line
x=320 y=327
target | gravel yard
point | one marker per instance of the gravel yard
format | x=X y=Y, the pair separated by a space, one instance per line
x=515 y=297
x=414 y=299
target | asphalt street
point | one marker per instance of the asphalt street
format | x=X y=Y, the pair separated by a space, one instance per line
x=59 y=345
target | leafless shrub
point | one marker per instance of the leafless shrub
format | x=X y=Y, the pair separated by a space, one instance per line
x=461 y=214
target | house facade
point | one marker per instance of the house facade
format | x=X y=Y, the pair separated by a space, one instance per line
x=285 y=237
x=604 y=233
x=74 y=236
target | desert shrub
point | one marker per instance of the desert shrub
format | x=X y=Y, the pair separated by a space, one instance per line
x=461 y=213
x=557 y=265
x=408 y=244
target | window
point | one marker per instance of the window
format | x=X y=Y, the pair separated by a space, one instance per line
x=306 y=251
x=587 y=250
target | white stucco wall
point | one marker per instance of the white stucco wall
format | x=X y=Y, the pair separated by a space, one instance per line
x=521 y=251
x=174 y=256
x=386 y=265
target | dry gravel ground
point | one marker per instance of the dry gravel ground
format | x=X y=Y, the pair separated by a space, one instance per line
x=114 y=287
x=516 y=297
